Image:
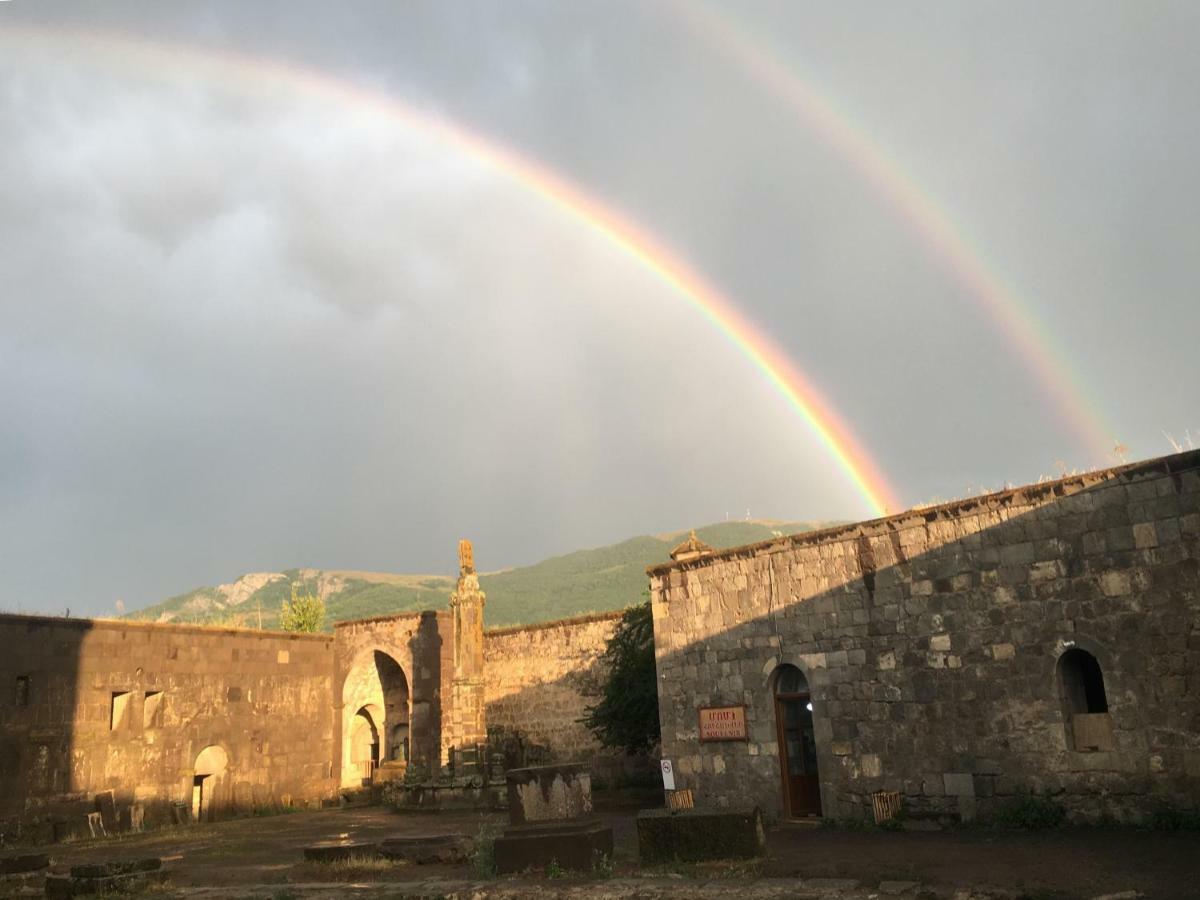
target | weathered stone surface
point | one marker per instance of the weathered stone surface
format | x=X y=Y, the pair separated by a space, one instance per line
x=333 y=851
x=116 y=867
x=579 y=844
x=23 y=862
x=931 y=643
x=129 y=883
x=548 y=793
x=895 y=888
x=432 y=848
x=693 y=835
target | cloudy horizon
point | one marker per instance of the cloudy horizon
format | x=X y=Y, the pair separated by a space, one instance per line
x=252 y=325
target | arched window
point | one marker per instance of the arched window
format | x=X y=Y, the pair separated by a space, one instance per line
x=1085 y=704
x=790 y=680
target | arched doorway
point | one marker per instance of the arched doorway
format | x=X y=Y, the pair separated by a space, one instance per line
x=375 y=721
x=364 y=744
x=797 y=743
x=208 y=776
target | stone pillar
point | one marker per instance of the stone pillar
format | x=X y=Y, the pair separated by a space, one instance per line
x=468 y=721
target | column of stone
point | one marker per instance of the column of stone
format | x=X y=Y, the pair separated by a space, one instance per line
x=468 y=723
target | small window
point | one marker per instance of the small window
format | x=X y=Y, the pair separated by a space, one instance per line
x=152 y=710
x=119 y=710
x=1085 y=703
x=21 y=695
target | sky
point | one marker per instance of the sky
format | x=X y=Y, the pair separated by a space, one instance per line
x=252 y=317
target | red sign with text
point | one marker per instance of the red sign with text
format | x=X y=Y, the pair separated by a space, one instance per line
x=723 y=723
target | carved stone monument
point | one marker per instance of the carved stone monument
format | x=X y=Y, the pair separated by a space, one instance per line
x=550 y=820
x=468 y=725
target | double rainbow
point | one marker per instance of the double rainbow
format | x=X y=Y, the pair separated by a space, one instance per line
x=241 y=73
x=1047 y=364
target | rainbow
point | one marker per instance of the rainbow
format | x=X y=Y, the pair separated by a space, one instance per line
x=240 y=73
x=930 y=221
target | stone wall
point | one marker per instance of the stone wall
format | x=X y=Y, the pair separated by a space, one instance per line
x=89 y=706
x=933 y=646
x=539 y=679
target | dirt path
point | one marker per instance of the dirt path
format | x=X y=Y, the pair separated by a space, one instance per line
x=1059 y=865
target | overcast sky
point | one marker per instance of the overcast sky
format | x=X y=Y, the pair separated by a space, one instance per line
x=247 y=327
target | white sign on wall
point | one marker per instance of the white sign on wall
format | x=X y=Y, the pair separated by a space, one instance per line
x=668 y=774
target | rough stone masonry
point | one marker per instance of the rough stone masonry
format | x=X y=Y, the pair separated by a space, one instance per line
x=1044 y=640
x=104 y=722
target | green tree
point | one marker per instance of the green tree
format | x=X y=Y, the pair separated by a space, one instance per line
x=303 y=613
x=627 y=715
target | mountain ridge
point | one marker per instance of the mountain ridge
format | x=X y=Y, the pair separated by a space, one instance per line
x=591 y=580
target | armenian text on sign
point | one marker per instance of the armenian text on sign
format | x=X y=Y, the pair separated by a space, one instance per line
x=723 y=723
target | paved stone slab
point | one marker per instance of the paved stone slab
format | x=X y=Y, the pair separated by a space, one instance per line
x=333 y=851
x=130 y=883
x=829 y=884
x=117 y=867
x=24 y=862
x=898 y=887
x=430 y=848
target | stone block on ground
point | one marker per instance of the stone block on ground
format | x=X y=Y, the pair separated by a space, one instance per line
x=430 y=848
x=23 y=862
x=579 y=844
x=132 y=817
x=693 y=835
x=335 y=851
x=106 y=805
x=116 y=867
x=130 y=882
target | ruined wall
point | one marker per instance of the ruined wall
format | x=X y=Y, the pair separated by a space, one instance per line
x=422 y=645
x=87 y=706
x=931 y=642
x=539 y=679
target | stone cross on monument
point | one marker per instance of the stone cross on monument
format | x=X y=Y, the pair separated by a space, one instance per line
x=468 y=722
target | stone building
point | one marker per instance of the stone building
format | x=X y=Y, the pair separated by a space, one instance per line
x=191 y=722
x=1044 y=640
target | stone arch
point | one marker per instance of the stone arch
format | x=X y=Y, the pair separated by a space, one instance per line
x=376 y=695
x=209 y=783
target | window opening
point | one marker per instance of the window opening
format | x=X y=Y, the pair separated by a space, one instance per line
x=120 y=706
x=152 y=710
x=1085 y=702
x=21 y=696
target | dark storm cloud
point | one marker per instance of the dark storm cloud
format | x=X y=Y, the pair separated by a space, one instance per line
x=248 y=330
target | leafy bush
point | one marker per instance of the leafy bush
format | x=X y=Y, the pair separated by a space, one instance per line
x=627 y=715
x=1031 y=812
x=304 y=613
x=483 y=860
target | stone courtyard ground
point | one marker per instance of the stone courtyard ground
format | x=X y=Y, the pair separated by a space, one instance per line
x=262 y=857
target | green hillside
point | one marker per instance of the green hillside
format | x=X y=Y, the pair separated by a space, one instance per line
x=595 y=580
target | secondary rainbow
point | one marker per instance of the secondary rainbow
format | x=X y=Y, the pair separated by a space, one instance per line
x=240 y=73
x=933 y=223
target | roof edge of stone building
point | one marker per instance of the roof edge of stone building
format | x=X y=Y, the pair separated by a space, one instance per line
x=414 y=614
x=87 y=624
x=556 y=623
x=1170 y=464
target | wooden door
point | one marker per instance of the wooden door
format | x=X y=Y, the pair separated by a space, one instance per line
x=798 y=755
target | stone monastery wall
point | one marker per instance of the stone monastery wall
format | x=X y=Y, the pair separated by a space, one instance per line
x=946 y=653
x=89 y=706
x=539 y=679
